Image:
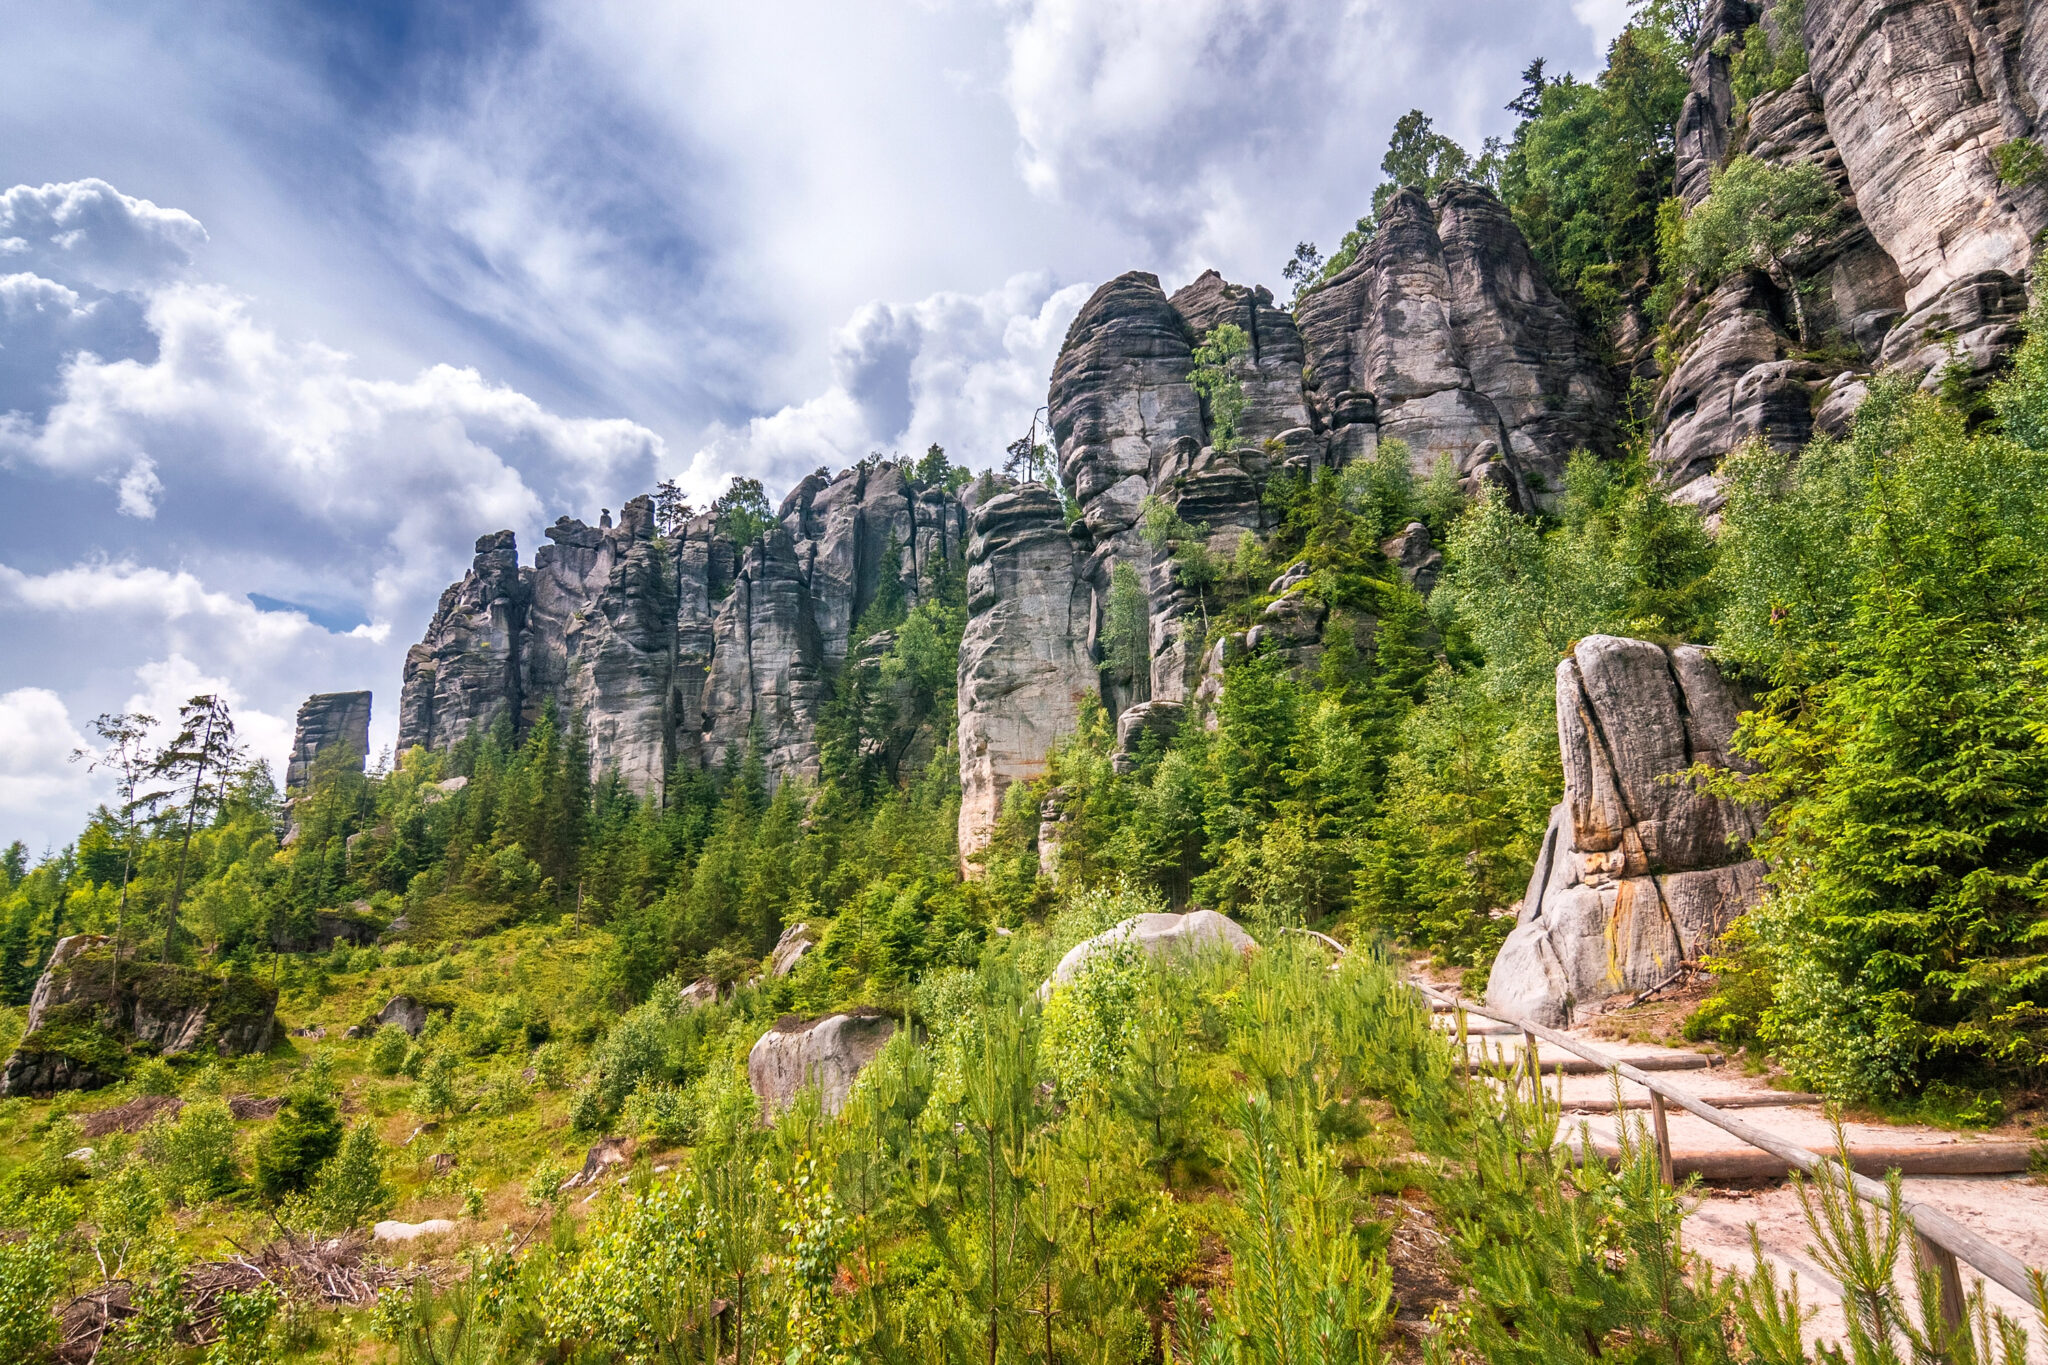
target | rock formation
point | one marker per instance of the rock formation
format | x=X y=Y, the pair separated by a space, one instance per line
x=82 y=1020
x=1443 y=334
x=1025 y=669
x=677 y=648
x=829 y=1054
x=1638 y=873
x=336 y=723
x=1904 y=106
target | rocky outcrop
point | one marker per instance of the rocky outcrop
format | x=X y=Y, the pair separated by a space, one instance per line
x=463 y=678
x=1904 y=106
x=667 y=649
x=768 y=674
x=334 y=723
x=83 y=1020
x=1275 y=403
x=1444 y=335
x=1120 y=399
x=1638 y=872
x=829 y=1054
x=1160 y=937
x=1025 y=668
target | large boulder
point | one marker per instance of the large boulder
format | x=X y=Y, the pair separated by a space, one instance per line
x=1161 y=937
x=1638 y=873
x=829 y=1054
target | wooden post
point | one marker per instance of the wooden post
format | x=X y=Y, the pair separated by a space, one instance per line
x=1663 y=1129
x=1535 y=1067
x=1943 y=1262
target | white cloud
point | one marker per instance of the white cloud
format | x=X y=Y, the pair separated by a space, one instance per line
x=231 y=410
x=964 y=370
x=87 y=230
x=37 y=775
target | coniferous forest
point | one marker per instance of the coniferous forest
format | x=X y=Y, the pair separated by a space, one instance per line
x=1268 y=1156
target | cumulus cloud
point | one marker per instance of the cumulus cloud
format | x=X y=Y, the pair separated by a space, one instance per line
x=231 y=412
x=1213 y=129
x=36 y=772
x=88 y=230
x=966 y=371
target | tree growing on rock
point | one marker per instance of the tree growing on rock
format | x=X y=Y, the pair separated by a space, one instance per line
x=1223 y=396
x=121 y=739
x=1756 y=216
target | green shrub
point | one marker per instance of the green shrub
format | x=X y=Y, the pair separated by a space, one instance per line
x=306 y=1134
x=193 y=1157
x=351 y=1191
x=154 y=1076
x=388 y=1049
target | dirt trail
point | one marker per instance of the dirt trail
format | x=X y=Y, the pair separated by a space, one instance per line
x=2009 y=1209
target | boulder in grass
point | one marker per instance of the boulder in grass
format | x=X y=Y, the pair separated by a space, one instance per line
x=796 y=940
x=1159 y=937
x=391 y=1230
x=829 y=1053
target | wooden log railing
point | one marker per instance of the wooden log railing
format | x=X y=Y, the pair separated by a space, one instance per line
x=1942 y=1241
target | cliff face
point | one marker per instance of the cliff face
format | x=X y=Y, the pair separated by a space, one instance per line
x=1904 y=107
x=327 y=723
x=675 y=649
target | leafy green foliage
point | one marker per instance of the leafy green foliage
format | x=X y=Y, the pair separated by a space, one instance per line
x=1217 y=383
x=1773 y=55
x=308 y=1131
x=1755 y=216
x=1888 y=588
x=740 y=514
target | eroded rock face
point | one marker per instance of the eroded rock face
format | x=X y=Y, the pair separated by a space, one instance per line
x=669 y=649
x=829 y=1054
x=1444 y=335
x=1703 y=123
x=768 y=675
x=1161 y=937
x=1918 y=94
x=335 y=723
x=464 y=676
x=82 y=1019
x=1024 y=661
x=1120 y=398
x=1637 y=874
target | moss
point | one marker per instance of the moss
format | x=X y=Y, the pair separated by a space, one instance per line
x=80 y=1038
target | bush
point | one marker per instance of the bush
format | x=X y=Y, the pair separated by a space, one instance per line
x=307 y=1133
x=351 y=1191
x=388 y=1049
x=155 y=1077
x=193 y=1157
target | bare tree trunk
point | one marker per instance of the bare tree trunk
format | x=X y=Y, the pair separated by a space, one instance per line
x=185 y=850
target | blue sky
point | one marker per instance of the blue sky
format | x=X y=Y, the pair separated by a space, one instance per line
x=296 y=301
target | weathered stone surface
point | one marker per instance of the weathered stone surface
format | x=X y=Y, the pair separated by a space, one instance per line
x=1159 y=719
x=1024 y=661
x=1161 y=937
x=768 y=674
x=1419 y=561
x=601 y=643
x=404 y=1011
x=464 y=676
x=1735 y=379
x=1917 y=96
x=1446 y=328
x=334 y=723
x=1120 y=398
x=391 y=1230
x=1270 y=371
x=1702 y=133
x=830 y=1054
x=796 y=940
x=1637 y=873
x=81 y=1019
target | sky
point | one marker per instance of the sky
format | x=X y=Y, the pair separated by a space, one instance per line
x=297 y=301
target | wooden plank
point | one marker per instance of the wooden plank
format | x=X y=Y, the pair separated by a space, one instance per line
x=1961 y=1158
x=1579 y=1066
x=1665 y=1167
x=1988 y=1259
x=1761 y=1099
